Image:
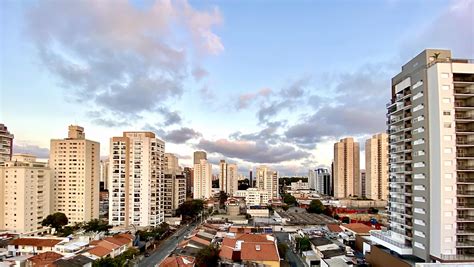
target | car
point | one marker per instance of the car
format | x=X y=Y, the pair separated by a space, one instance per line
x=147 y=254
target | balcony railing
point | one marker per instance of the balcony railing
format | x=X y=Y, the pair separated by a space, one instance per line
x=385 y=236
x=465 y=167
x=462 y=217
x=457 y=257
x=465 y=243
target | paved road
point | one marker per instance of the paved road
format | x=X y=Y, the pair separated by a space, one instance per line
x=291 y=257
x=166 y=247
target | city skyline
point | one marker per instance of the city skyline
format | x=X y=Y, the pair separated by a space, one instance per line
x=211 y=85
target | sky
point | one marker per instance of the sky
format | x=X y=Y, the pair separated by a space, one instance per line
x=252 y=82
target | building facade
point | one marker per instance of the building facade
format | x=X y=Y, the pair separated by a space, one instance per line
x=323 y=181
x=6 y=144
x=25 y=194
x=104 y=175
x=254 y=196
x=376 y=167
x=202 y=180
x=189 y=175
x=75 y=165
x=346 y=168
x=174 y=192
x=198 y=156
x=136 y=171
x=171 y=163
x=431 y=133
x=267 y=180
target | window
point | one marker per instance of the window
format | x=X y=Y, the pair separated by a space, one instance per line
x=419 y=245
x=419 y=233
x=419 y=210
x=446 y=100
x=419 y=199
x=447 y=138
x=446 y=113
x=445 y=75
x=445 y=87
x=447 y=125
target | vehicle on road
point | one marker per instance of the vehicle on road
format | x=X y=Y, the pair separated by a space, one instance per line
x=147 y=254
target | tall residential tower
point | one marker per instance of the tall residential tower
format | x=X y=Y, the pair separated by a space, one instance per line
x=376 y=167
x=346 y=168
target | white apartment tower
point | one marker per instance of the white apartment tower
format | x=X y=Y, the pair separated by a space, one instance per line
x=25 y=194
x=346 y=168
x=228 y=177
x=6 y=144
x=136 y=179
x=267 y=180
x=431 y=133
x=75 y=165
x=223 y=176
x=376 y=167
x=202 y=188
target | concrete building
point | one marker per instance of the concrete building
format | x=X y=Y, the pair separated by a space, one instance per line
x=312 y=179
x=25 y=194
x=267 y=180
x=324 y=184
x=376 y=167
x=254 y=196
x=431 y=133
x=363 y=183
x=171 y=163
x=228 y=177
x=174 y=192
x=75 y=165
x=223 y=175
x=346 y=168
x=299 y=185
x=6 y=144
x=198 y=156
x=189 y=175
x=104 y=174
x=202 y=180
x=136 y=164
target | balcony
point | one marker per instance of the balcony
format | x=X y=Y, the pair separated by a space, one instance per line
x=465 y=231
x=385 y=239
x=465 y=205
x=463 y=141
x=465 y=243
x=465 y=180
x=463 y=167
x=466 y=193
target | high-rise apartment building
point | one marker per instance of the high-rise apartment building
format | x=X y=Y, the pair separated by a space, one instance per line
x=228 y=177
x=25 y=194
x=202 y=180
x=75 y=165
x=312 y=179
x=104 y=175
x=346 y=168
x=267 y=180
x=136 y=179
x=171 y=163
x=431 y=133
x=323 y=181
x=189 y=175
x=363 y=185
x=174 y=192
x=376 y=167
x=6 y=144
x=199 y=155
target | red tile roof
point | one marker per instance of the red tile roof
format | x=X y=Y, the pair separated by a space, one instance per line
x=99 y=251
x=358 y=228
x=120 y=241
x=107 y=244
x=334 y=228
x=178 y=261
x=45 y=259
x=259 y=252
x=200 y=240
x=37 y=242
x=226 y=253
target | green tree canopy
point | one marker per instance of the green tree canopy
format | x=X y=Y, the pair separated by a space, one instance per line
x=289 y=199
x=56 y=220
x=96 y=225
x=282 y=249
x=208 y=256
x=190 y=208
x=315 y=206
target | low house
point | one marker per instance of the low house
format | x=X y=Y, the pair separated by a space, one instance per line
x=178 y=261
x=76 y=261
x=45 y=259
x=33 y=246
x=250 y=249
x=109 y=246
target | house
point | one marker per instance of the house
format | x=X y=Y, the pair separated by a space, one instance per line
x=178 y=261
x=250 y=249
x=357 y=228
x=76 y=261
x=109 y=246
x=45 y=259
x=33 y=246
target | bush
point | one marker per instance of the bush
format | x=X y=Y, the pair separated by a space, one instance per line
x=316 y=206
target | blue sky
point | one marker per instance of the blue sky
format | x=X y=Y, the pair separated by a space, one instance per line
x=255 y=82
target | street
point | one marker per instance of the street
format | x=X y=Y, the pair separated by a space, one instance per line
x=291 y=257
x=166 y=247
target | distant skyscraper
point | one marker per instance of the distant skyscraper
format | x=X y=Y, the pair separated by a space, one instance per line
x=171 y=163
x=312 y=179
x=75 y=165
x=223 y=175
x=376 y=166
x=198 y=155
x=104 y=175
x=431 y=133
x=346 y=168
x=363 y=183
x=6 y=144
x=202 y=180
x=323 y=181
x=25 y=194
x=267 y=180
x=232 y=179
x=251 y=179
x=136 y=164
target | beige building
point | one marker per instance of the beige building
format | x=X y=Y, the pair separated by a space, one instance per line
x=6 y=144
x=104 y=173
x=202 y=188
x=171 y=163
x=174 y=192
x=228 y=177
x=75 y=165
x=25 y=194
x=376 y=167
x=198 y=155
x=346 y=168
x=267 y=180
x=136 y=164
x=254 y=196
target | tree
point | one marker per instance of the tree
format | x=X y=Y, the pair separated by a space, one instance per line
x=208 y=256
x=56 y=220
x=372 y=210
x=96 y=225
x=190 y=208
x=282 y=249
x=285 y=207
x=223 y=198
x=289 y=199
x=315 y=206
x=303 y=243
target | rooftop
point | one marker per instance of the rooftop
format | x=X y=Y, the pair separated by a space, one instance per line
x=45 y=258
x=358 y=228
x=77 y=261
x=38 y=242
x=259 y=252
